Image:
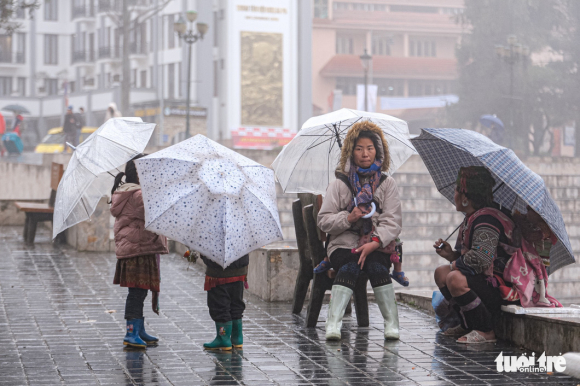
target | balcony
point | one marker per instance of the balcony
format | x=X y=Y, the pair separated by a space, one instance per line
x=105 y=52
x=83 y=12
x=106 y=6
x=108 y=52
x=79 y=57
x=138 y=49
x=12 y=57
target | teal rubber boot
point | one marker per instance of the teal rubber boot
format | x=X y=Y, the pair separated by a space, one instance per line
x=222 y=340
x=237 y=337
x=132 y=337
x=149 y=339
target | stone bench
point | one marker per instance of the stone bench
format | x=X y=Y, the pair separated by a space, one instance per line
x=553 y=333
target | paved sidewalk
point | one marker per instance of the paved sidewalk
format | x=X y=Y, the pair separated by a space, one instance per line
x=55 y=329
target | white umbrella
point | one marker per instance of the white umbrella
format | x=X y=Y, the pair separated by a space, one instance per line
x=308 y=162
x=209 y=198
x=88 y=175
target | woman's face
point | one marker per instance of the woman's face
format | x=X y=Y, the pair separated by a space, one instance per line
x=364 y=153
x=458 y=199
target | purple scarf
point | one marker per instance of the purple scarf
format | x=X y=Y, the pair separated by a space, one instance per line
x=364 y=192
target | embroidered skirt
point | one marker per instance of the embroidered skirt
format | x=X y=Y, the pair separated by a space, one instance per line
x=138 y=272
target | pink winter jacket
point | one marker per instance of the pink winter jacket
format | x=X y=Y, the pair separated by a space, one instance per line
x=131 y=238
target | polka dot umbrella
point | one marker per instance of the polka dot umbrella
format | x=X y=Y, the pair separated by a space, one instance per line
x=210 y=198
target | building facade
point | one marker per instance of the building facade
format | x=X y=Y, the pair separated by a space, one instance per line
x=260 y=66
x=70 y=52
x=412 y=44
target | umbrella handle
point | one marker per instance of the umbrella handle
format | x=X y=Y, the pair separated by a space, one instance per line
x=373 y=210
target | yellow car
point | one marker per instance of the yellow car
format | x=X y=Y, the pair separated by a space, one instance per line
x=54 y=140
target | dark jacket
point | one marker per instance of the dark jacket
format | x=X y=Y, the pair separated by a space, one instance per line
x=70 y=123
x=237 y=268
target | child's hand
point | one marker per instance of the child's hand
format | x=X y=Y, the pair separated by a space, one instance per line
x=155 y=302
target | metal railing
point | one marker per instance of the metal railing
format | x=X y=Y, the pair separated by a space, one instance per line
x=83 y=11
x=138 y=48
x=12 y=57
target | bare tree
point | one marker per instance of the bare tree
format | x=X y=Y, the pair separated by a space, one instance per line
x=128 y=18
x=8 y=9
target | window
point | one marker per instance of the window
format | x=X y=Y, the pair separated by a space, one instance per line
x=134 y=78
x=171 y=81
x=390 y=87
x=21 y=85
x=51 y=10
x=5 y=49
x=51 y=86
x=422 y=48
x=180 y=81
x=72 y=87
x=170 y=31
x=382 y=45
x=19 y=11
x=344 y=45
x=452 y=11
x=143 y=79
x=5 y=85
x=321 y=9
x=117 y=42
x=429 y=87
x=215 y=28
x=413 y=8
x=50 y=49
x=91 y=47
x=348 y=85
x=340 y=6
x=215 y=78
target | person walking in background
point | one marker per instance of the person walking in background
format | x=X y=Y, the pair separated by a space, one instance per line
x=112 y=112
x=69 y=128
x=225 y=300
x=80 y=116
x=138 y=254
x=2 y=132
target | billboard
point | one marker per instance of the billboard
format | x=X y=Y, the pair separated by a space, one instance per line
x=263 y=74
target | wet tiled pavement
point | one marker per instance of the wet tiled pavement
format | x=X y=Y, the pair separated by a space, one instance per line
x=56 y=328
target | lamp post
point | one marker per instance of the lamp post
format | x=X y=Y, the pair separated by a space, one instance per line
x=189 y=37
x=511 y=54
x=366 y=63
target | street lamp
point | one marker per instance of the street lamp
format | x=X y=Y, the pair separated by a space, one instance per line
x=366 y=61
x=511 y=54
x=189 y=37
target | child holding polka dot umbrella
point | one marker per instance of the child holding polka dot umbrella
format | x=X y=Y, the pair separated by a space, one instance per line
x=218 y=203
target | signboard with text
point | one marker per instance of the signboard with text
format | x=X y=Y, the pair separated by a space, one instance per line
x=263 y=138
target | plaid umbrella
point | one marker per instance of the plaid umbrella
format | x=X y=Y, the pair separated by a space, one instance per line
x=444 y=151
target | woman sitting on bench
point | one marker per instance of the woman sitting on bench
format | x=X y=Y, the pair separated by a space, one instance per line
x=362 y=214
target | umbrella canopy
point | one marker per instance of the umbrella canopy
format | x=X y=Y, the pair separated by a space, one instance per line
x=490 y=121
x=88 y=175
x=308 y=162
x=444 y=151
x=17 y=109
x=209 y=198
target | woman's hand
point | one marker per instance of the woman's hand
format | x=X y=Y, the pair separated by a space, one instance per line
x=155 y=302
x=355 y=215
x=445 y=251
x=366 y=250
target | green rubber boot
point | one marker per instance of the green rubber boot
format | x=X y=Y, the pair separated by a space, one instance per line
x=222 y=340
x=237 y=337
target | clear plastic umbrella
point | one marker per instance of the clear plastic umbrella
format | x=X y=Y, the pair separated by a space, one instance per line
x=88 y=176
x=308 y=162
x=210 y=198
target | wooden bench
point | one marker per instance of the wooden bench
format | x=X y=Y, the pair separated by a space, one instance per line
x=311 y=251
x=37 y=212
